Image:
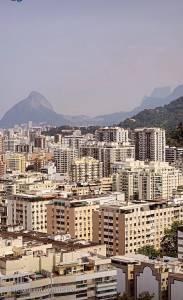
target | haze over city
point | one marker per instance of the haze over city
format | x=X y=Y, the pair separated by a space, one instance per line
x=89 y=57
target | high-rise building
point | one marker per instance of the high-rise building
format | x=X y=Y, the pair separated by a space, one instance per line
x=15 y=162
x=1 y=144
x=126 y=228
x=170 y=154
x=149 y=144
x=74 y=215
x=40 y=142
x=29 y=211
x=112 y=134
x=2 y=168
x=108 y=153
x=150 y=181
x=63 y=158
x=86 y=169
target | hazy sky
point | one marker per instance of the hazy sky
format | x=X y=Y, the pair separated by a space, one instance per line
x=89 y=56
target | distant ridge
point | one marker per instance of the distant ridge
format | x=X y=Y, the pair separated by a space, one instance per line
x=168 y=116
x=37 y=108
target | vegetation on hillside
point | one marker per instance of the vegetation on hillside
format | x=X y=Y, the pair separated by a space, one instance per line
x=175 y=136
x=167 y=116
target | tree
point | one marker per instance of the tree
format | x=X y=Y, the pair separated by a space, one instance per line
x=124 y=297
x=145 y=296
x=169 y=241
x=148 y=250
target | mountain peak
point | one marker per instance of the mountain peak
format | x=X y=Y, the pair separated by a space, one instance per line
x=35 y=108
x=35 y=99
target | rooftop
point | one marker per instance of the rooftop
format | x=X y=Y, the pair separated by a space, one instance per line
x=37 y=238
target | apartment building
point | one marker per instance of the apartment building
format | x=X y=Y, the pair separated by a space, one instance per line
x=10 y=144
x=1 y=144
x=40 y=142
x=147 y=181
x=108 y=153
x=173 y=154
x=2 y=168
x=74 y=215
x=126 y=228
x=24 y=148
x=112 y=134
x=175 y=284
x=29 y=210
x=180 y=243
x=102 y=186
x=63 y=158
x=73 y=141
x=170 y=154
x=149 y=144
x=86 y=169
x=138 y=274
x=16 y=162
x=43 y=268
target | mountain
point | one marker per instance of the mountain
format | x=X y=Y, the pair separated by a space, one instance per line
x=35 y=108
x=159 y=97
x=168 y=116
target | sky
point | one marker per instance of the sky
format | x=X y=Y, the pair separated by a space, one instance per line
x=89 y=56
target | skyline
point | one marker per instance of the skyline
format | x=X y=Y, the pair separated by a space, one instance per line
x=88 y=57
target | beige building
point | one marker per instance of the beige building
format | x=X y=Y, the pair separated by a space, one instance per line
x=126 y=228
x=74 y=215
x=41 y=268
x=29 y=210
x=2 y=168
x=15 y=162
x=86 y=169
x=138 y=274
x=102 y=186
x=108 y=153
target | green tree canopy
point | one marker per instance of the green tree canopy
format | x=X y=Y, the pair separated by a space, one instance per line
x=148 y=250
x=169 y=241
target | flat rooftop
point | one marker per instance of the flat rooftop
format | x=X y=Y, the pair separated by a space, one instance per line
x=36 y=238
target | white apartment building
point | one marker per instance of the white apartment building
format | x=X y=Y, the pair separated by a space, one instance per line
x=29 y=211
x=112 y=134
x=63 y=159
x=10 y=144
x=149 y=144
x=147 y=181
x=108 y=153
x=126 y=228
